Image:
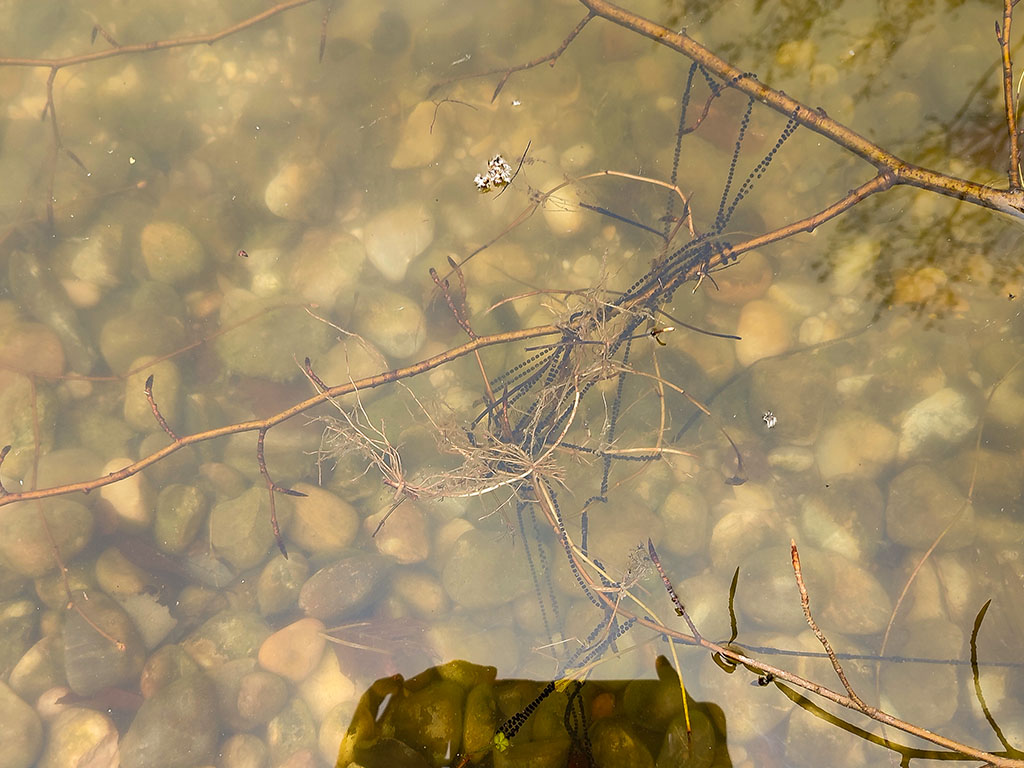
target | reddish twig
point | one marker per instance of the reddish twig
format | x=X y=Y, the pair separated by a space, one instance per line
x=805 y=603
x=1003 y=37
x=156 y=411
x=273 y=487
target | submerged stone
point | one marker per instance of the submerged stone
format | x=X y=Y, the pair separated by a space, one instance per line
x=227 y=636
x=93 y=661
x=291 y=730
x=26 y=546
x=81 y=738
x=294 y=651
x=177 y=728
x=277 y=588
x=240 y=529
x=482 y=572
x=323 y=523
x=395 y=237
x=344 y=588
x=171 y=252
x=921 y=503
x=21 y=731
x=393 y=322
x=180 y=512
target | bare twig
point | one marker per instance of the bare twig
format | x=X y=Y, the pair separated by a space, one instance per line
x=156 y=411
x=1010 y=103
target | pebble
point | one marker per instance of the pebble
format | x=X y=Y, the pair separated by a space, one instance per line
x=91 y=661
x=277 y=588
x=936 y=422
x=851 y=264
x=171 y=252
x=325 y=267
x=117 y=575
x=81 y=738
x=421 y=593
x=846 y=518
x=924 y=693
x=422 y=138
x=177 y=728
x=165 y=665
x=921 y=503
x=403 y=537
x=854 y=444
x=243 y=750
x=150 y=615
x=484 y=572
x=396 y=236
x=25 y=543
x=21 y=731
x=301 y=191
x=764 y=331
x=293 y=652
x=180 y=513
x=322 y=523
x=249 y=697
x=327 y=687
x=343 y=588
x=562 y=212
x=20 y=399
x=853 y=602
x=394 y=323
x=240 y=529
x=292 y=730
x=797 y=392
x=767 y=595
x=264 y=345
x=131 y=499
x=32 y=349
x=40 y=668
x=230 y=635
x=130 y=335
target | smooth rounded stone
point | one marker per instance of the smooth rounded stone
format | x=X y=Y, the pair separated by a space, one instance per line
x=764 y=331
x=813 y=741
x=42 y=297
x=325 y=267
x=430 y=720
x=853 y=601
x=333 y=728
x=403 y=537
x=67 y=465
x=229 y=635
x=26 y=413
x=302 y=191
x=854 y=444
x=240 y=530
x=129 y=336
x=31 y=349
x=151 y=616
x=617 y=745
x=846 y=517
x=421 y=593
x=166 y=665
x=931 y=425
x=81 y=738
x=745 y=280
x=394 y=323
x=166 y=394
x=117 y=575
x=696 y=749
x=350 y=360
x=327 y=687
x=923 y=693
x=343 y=588
x=851 y=264
x=921 y=503
x=791 y=458
x=742 y=530
x=180 y=513
x=767 y=594
x=485 y=572
x=248 y=697
x=266 y=338
x=422 y=138
x=98 y=258
x=562 y=212
x=40 y=668
x=171 y=252
x=131 y=499
x=52 y=590
x=18 y=620
x=322 y=523
x=685 y=513
x=995 y=475
x=291 y=730
x=176 y=728
x=277 y=588
x=21 y=731
x=752 y=710
x=798 y=392
x=396 y=236
x=93 y=662
x=25 y=544
x=459 y=638
x=243 y=750
x=294 y=651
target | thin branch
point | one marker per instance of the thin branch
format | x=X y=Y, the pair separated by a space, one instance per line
x=156 y=411
x=1003 y=37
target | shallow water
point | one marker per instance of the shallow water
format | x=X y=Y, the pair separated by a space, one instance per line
x=222 y=212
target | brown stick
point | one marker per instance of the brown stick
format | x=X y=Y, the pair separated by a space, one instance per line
x=1003 y=36
x=805 y=603
x=156 y=411
x=1008 y=201
x=370 y=382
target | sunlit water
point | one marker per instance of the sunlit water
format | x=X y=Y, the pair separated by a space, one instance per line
x=210 y=195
